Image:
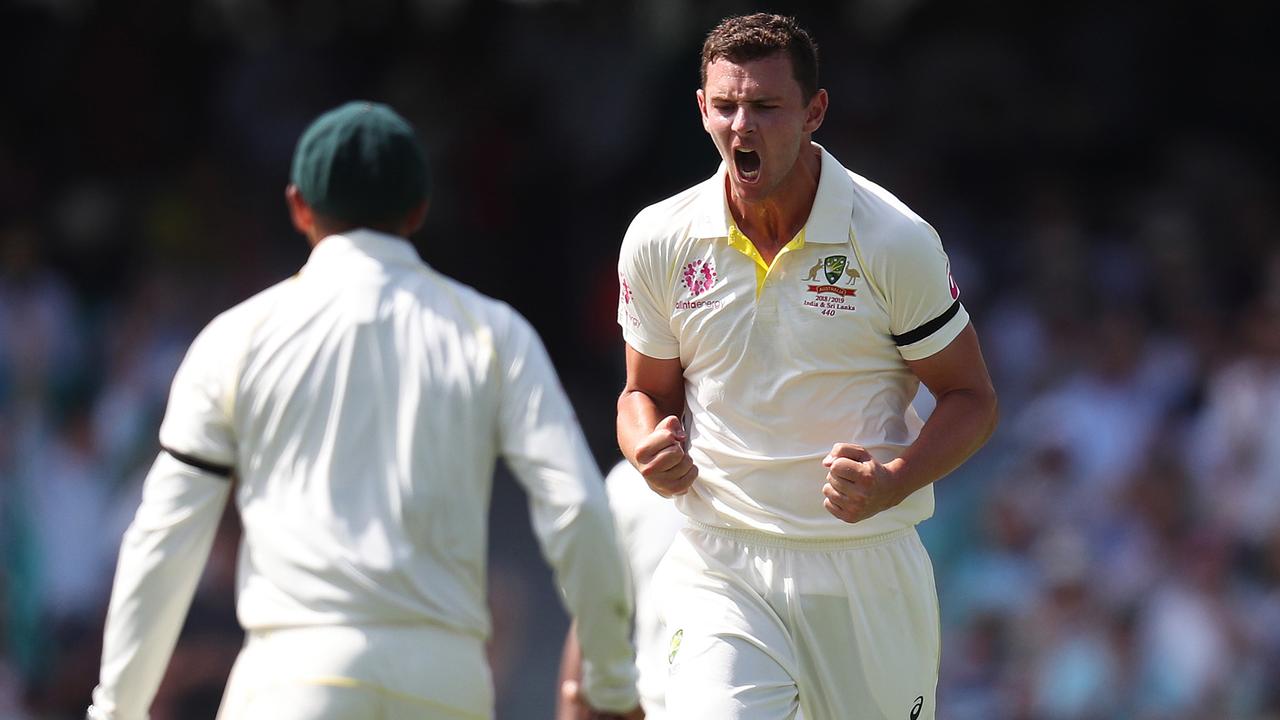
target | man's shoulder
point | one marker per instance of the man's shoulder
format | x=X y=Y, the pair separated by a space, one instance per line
x=672 y=216
x=249 y=313
x=873 y=200
x=484 y=309
x=685 y=202
x=881 y=221
x=229 y=332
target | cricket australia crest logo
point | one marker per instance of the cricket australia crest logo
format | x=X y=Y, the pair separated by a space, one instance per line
x=675 y=645
x=834 y=267
x=836 y=293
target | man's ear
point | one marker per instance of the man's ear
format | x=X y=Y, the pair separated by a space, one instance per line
x=702 y=109
x=416 y=217
x=304 y=221
x=816 y=111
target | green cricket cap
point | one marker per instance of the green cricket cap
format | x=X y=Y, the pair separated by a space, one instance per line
x=361 y=163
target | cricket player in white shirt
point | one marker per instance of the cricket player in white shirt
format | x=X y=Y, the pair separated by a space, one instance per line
x=355 y=412
x=647 y=524
x=779 y=318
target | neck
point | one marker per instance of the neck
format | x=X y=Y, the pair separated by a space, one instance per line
x=322 y=230
x=773 y=221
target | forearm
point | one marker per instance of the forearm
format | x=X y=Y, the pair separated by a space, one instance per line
x=960 y=424
x=568 y=707
x=161 y=558
x=591 y=574
x=571 y=520
x=638 y=414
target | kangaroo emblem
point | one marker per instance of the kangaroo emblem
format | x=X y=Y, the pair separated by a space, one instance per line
x=849 y=271
x=813 y=271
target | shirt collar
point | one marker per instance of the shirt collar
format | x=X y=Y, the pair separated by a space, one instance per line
x=828 y=220
x=381 y=247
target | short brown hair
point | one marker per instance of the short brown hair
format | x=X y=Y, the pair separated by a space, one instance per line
x=752 y=37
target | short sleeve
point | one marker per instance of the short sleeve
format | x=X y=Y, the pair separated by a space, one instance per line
x=643 y=279
x=197 y=422
x=925 y=313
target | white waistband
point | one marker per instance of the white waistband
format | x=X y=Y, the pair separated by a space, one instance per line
x=757 y=537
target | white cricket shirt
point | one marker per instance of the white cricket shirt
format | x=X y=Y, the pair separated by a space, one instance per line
x=647 y=524
x=362 y=405
x=782 y=362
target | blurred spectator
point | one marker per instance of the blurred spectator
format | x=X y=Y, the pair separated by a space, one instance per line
x=1184 y=641
x=41 y=340
x=1074 y=674
x=1235 y=454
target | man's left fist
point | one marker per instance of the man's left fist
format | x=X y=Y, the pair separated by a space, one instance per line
x=858 y=486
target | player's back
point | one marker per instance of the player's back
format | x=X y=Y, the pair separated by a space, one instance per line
x=365 y=415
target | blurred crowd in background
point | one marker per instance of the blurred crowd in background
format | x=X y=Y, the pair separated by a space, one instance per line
x=1104 y=176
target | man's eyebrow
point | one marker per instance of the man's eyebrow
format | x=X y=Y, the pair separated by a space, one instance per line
x=751 y=101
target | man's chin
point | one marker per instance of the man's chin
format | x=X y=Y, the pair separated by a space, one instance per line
x=747 y=191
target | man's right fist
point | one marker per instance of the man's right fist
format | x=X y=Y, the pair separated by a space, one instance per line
x=661 y=459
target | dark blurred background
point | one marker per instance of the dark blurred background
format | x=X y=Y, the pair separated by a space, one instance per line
x=1104 y=176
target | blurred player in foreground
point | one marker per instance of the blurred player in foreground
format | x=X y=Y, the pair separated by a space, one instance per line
x=779 y=317
x=356 y=411
x=647 y=523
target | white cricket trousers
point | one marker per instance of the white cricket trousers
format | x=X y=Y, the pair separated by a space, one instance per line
x=763 y=626
x=370 y=672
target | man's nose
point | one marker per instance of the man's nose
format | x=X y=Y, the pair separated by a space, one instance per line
x=743 y=121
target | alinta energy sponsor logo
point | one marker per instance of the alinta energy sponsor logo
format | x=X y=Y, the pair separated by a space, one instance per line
x=624 y=290
x=837 y=292
x=624 y=302
x=698 y=304
x=699 y=276
x=917 y=707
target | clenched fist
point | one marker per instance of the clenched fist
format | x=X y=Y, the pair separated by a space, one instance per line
x=662 y=460
x=858 y=486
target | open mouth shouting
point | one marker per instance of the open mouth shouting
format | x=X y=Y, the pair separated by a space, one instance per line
x=747 y=164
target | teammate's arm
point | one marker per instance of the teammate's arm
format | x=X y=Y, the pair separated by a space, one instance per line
x=167 y=544
x=650 y=433
x=570 y=705
x=966 y=413
x=161 y=557
x=546 y=450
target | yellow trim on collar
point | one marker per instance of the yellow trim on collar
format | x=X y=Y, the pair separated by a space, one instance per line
x=740 y=242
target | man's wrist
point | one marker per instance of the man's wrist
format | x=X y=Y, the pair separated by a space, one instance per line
x=900 y=480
